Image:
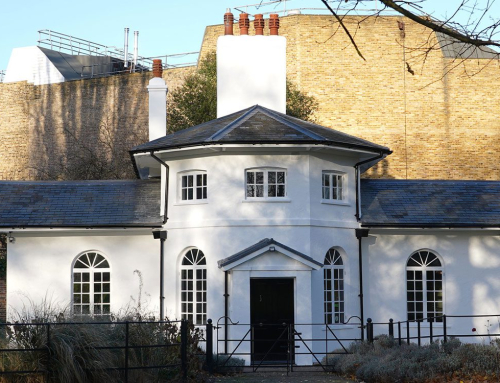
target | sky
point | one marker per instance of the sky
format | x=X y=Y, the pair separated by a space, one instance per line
x=165 y=27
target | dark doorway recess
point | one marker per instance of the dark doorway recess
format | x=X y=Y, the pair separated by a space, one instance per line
x=271 y=316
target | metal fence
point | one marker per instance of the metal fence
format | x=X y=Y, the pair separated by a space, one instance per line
x=274 y=345
x=431 y=329
x=126 y=341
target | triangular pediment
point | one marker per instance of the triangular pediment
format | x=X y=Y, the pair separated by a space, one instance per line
x=269 y=254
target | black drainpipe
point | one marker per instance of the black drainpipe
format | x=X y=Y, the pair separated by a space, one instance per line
x=165 y=213
x=162 y=235
x=361 y=233
x=356 y=169
x=226 y=309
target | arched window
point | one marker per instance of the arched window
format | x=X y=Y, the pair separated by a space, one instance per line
x=333 y=274
x=424 y=286
x=194 y=287
x=91 y=285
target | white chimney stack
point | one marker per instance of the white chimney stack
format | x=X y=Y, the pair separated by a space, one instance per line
x=157 y=103
x=251 y=69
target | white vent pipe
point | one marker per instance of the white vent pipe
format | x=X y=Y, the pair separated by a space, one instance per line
x=125 y=50
x=136 y=47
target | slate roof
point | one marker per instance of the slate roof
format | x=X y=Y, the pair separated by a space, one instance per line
x=452 y=48
x=259 y=245
x=117 y=203
x=417 y=203
x=258 y=125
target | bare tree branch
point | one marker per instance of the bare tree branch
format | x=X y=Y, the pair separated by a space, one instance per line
x=344 y=28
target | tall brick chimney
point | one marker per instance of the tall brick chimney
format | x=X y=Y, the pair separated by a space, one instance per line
x=157 y=103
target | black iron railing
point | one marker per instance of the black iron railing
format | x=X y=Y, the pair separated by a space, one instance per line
x=128 y=338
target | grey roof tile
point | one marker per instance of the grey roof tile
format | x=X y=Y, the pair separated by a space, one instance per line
x=123 y=203
x=430 y=203
x=258 y=125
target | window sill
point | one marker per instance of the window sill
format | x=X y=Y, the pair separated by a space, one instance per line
x=192 y=202
x=267 y=200
x=335 y=202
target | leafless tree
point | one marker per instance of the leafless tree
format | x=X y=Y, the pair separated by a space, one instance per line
x=470 y=23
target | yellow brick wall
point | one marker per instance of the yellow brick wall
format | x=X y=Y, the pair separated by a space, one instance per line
x=442 y=122
x=39 y=124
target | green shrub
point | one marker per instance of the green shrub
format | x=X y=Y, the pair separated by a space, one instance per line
x=386 y=361
x=227 y=364
x=89 y=350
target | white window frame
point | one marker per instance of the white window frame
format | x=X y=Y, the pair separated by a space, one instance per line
x=194 y=187
x=424 y=268
x=200 y=266
x=333 y=190
x=92 y=271
x=265 y=185
x=334 y=272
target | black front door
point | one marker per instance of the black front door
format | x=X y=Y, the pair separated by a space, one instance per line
x=271 y=315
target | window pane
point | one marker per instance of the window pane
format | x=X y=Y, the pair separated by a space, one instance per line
x=184 y=181
x=105 y=277
x=199 y=179
x=184 y=194
x=204 y=180
x=281 y=177
x=260 y=191
x=250 y=191
x=271 y=177
x=199 y=193
x=190 y=181
x=281 y=190
x=259 y=178
x=190 y=194
x=326 y=180
x=271 y=191
x=250 y=177
x=204 y=193
x=326 y=193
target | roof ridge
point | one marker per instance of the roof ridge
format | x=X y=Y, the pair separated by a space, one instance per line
x=232 y=125
x=290 y=124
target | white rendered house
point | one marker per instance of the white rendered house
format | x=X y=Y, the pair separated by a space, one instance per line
x=268 y=222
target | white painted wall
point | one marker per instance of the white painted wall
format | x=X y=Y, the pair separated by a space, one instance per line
x=40 y=265
x=251 y=70
x=30 y=64
x=471 y=267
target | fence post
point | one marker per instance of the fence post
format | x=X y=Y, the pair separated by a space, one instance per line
x=430 y=330
x=49 y=359
x=418 y=331
x=210 y=345
x=369 y=330
x=444 y=329
x=407 y=332
x=399 y=333
x=184 y=336
x=391 y=328
x=126 y=351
